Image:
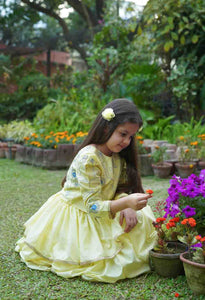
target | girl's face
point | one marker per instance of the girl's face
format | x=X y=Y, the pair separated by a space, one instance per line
x=120 y=138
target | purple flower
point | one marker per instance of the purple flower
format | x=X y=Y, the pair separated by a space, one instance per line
x=189 y=211
x=202 y=175
x=174 y=210
x=202 y=190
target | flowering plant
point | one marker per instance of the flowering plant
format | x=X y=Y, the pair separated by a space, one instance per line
x=159 y=154
x=195 y=243
x=186 y=197
x=140 y=145
x=167 y=230
x=188 y=149
x=201 y=153
x=52 y=140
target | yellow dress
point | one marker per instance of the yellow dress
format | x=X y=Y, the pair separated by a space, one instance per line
x=73 y=233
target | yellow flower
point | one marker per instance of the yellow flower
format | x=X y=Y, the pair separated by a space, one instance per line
x=191 y=166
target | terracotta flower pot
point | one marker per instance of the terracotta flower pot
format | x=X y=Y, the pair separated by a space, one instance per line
x=201 y=164
x=162 y=170
x=195 y=274
x=168 y=265
x=186 y=169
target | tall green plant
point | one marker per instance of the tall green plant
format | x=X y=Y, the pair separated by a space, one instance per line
x=63 y=114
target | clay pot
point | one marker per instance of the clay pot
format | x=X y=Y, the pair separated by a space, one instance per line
x=195 y=274
x=168 y=265
x=186 y=169
x=162 y=170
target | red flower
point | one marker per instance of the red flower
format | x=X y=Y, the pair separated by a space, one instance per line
x=176 y=219
x=170 y=224
x=176 y=295
x=149 y=192
x=160 y=220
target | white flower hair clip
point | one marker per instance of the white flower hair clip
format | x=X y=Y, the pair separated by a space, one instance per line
x=108 y=114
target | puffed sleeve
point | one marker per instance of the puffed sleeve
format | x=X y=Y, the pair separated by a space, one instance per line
x=89 y=176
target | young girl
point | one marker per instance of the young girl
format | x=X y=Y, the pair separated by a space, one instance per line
x=99 y=225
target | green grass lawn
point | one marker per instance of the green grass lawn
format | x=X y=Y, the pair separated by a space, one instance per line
x=23 y=190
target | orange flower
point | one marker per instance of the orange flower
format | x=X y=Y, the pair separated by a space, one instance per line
x=156 y=147
x=139 y=137
x=149 y=191
x=194 y=143
x=190 y=221
x=186 y=151
x=181 y=138
x=198 y=238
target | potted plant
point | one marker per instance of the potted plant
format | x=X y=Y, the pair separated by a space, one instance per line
x=201 y=153
x=194 y=259
x=165 y=256
x=161 y=168
x=187 y=153
x=186 y=196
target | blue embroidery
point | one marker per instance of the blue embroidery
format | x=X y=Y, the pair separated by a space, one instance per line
x=94 y=207
x=74 y=174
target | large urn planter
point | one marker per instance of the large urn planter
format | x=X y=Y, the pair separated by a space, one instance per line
x=168 y=265
x=195 y=274
x=145 y=165
x=162 y=170
x=185 y=169
x=20 y=153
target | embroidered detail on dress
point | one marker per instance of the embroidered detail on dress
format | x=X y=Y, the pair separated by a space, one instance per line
x=94 y=208
x=74 y=174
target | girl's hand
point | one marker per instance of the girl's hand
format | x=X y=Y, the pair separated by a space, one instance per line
x=130 y=219
x=137 y=201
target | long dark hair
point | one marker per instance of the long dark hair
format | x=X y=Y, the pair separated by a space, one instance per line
x=101 y=130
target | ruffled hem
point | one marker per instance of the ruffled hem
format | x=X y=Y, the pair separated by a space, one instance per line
x=69 y=242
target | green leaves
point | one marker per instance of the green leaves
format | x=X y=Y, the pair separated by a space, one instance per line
x=168 y=45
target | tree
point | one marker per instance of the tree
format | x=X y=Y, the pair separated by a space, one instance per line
x=177 y=37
